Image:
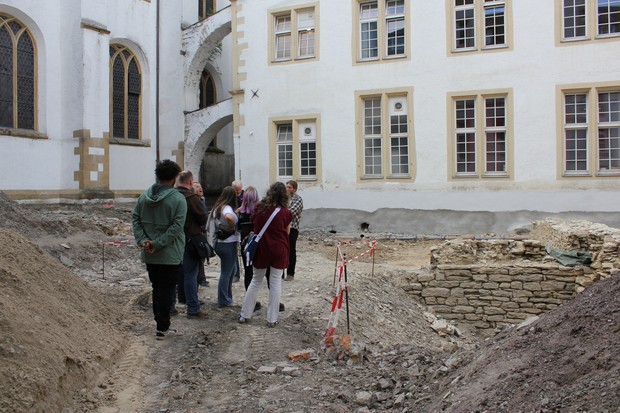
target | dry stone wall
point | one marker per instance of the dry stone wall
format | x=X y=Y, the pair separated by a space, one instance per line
x=490 y=282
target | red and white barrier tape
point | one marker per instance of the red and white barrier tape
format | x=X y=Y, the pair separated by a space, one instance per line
x=342 y=288
x=370 y=252
x=123 y=243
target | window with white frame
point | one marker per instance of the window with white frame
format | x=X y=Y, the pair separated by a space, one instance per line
x=385 y=148
x=574 y=18
x=305 y=33
x=479 y=24
x=592 y=132
x=283 y=37
x=382 y=29
x=608 y=17
x=294 y=35
x=296 y=150
x=590 y=19
x=284 y=145
x=307 y=150
x=481 y=136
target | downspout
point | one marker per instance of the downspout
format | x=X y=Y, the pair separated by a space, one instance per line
x=157 y=83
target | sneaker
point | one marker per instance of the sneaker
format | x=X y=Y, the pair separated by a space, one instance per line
x=160 y=335
x=281 y=307
x=199 y=314
x=257 y=306
x=174 y=312
x=289 y=278
x=236 y=279
x=204 y=283
x=242 y=320
x=271 y=325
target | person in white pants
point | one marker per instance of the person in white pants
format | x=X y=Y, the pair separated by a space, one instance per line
x=272 y=252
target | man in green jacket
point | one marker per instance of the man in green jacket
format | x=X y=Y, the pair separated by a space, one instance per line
x=158 y=219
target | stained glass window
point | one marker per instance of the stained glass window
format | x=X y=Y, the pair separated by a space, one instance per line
x=17 y=75
x=125 y=93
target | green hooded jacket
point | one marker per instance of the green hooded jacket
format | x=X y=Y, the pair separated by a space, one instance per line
x=159 y=216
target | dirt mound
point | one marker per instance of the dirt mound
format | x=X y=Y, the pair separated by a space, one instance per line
x=65 y=320
x=567 y=361
x=56 y=332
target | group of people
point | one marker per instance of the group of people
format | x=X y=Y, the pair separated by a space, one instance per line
x=173 y=210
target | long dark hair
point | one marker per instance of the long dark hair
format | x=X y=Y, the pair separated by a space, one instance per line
x=227 y=197
x=277 y=196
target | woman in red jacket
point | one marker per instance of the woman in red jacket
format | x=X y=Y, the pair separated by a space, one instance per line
x=272 y=252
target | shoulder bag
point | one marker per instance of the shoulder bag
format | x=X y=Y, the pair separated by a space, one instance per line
x=252 y=245
x=200 y=247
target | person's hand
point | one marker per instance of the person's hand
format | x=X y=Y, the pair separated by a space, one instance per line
x=148 y=246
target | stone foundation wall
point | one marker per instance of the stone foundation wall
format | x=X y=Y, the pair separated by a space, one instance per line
x=493 y=282
x=601 y=241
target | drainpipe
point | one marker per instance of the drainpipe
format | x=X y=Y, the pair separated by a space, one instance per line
x=157 y=83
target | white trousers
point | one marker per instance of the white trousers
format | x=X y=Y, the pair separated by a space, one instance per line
x=275 y=290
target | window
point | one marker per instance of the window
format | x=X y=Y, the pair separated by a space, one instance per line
x=17 y=75
x=384 y=151
x=480 y=25
x=382 y=29
x=296 y=149
x=305 y=34
x=207 y=90
x=285 y=151
x=589 y=19
x=125 y=92
x=574 y=18
x=481 y=136
x=608 y=17
x=206 y=8
x=294 y=34
x=591 y=132
x=208 y=96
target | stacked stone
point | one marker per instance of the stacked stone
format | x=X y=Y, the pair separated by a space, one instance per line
x=493 y=282
x=491 y=295
x=601 y=241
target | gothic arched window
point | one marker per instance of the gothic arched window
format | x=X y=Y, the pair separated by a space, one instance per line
x=17 y=75
x=125 y=92
x=207 y=90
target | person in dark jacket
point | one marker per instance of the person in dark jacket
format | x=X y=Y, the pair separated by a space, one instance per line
x=272 y=252
x=195 y=220
x=158 y=220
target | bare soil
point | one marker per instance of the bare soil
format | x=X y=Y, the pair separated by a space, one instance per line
x=77 y=334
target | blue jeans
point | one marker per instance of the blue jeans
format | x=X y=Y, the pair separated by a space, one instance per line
x=227 y=251
x=190 y=282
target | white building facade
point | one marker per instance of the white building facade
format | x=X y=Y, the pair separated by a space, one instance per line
x=494 y=106
x=466 y=105
x=93 y=93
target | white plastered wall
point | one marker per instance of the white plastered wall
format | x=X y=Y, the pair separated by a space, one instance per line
x=531 y=70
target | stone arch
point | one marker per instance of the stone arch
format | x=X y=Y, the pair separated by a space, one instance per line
x=201 y=127
x=199 y=42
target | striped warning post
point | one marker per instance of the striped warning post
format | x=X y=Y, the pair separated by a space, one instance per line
x=342 y=288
